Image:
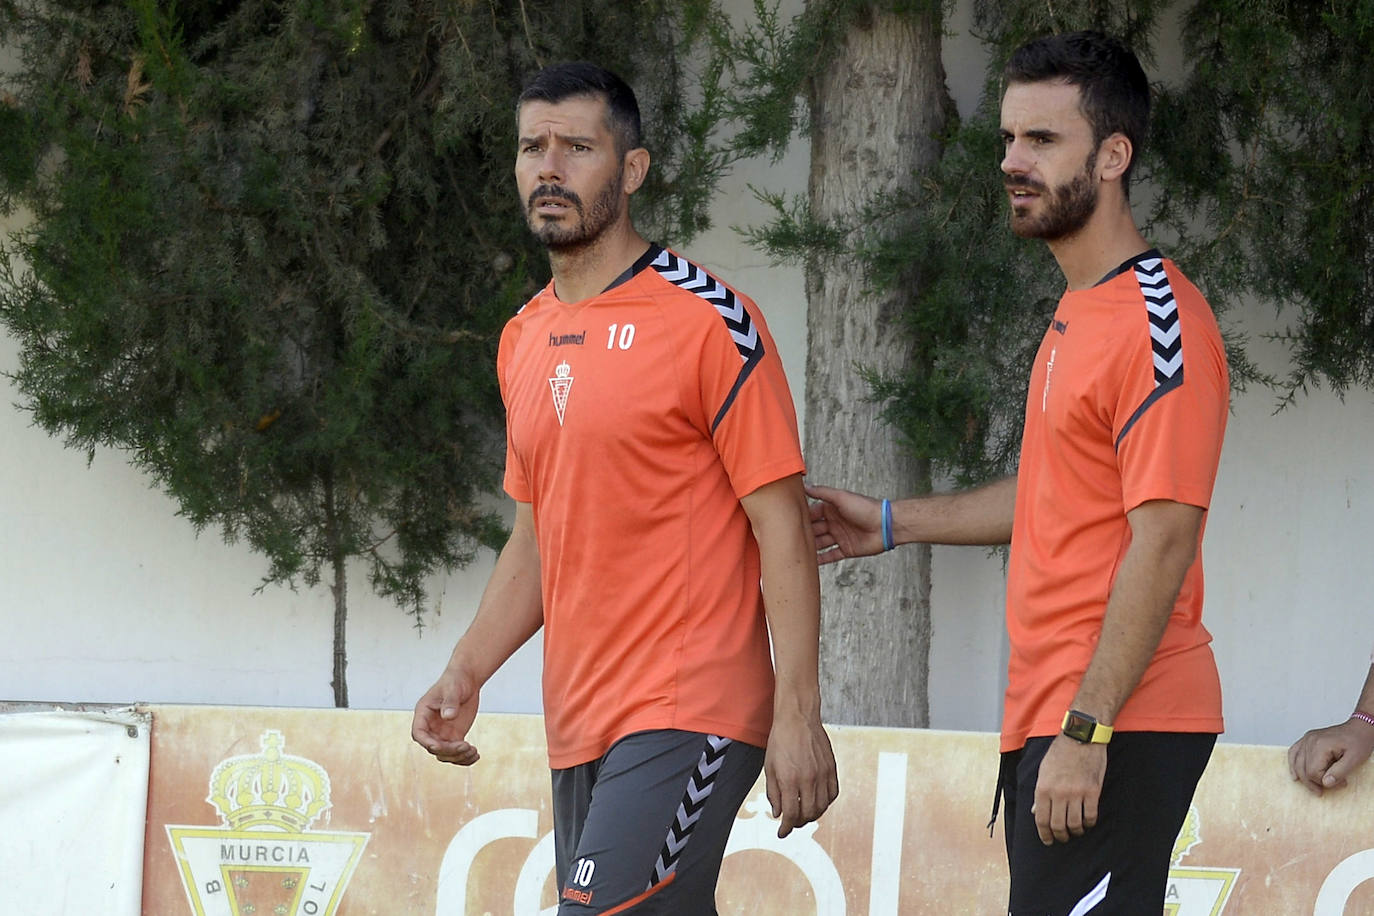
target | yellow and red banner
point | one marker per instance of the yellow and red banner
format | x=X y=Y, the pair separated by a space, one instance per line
x=337 y=813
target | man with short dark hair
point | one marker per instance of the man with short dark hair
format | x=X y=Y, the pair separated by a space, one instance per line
x=1113 y=702
x=652 y=452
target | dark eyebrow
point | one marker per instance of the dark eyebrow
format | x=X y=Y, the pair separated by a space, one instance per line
x=578 y=141
x=1037 y=134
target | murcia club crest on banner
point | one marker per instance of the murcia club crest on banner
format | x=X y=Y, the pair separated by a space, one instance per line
x=264 y=859
x=561 y=383
x=1196 y=891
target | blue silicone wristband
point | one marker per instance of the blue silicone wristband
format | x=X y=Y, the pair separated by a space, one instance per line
x=888 y=543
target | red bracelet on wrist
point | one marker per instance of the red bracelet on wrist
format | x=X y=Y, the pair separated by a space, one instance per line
x=1364 y=717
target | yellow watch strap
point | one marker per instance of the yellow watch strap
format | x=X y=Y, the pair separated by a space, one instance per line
x=1100 y=734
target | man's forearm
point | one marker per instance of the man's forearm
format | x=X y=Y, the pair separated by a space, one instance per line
x=1163 y=547
x=982 y=515
x=798 y=764
x=791 y=590
x=511 y=610
x=1365 y=703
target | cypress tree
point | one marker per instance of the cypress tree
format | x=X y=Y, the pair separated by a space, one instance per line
x=271 y=245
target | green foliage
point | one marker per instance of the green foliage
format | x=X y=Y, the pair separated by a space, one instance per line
x=769 y=65
x=975 y=304
x=1260 y=168
x=1268 y=150
x=1006 y=26
x=975 y=298
x=273 y=243
x=978 y=299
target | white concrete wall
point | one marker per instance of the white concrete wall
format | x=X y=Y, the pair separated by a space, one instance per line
x=107 y=596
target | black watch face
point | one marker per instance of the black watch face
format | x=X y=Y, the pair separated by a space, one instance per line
x=1079 y=728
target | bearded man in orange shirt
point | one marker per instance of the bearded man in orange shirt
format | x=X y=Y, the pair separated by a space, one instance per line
x=653 y=456
x=1113 y=702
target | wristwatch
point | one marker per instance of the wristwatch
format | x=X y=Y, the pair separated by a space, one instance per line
x=1085 y=729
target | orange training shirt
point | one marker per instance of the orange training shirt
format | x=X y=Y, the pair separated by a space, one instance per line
x=635 y=422
x=1127 y=403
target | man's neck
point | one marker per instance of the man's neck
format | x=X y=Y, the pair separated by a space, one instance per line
x=1108 y=240
x=581 y=273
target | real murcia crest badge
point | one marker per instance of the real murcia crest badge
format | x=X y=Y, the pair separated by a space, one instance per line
x=561 y=384
x=264 y=860
x=1196 y=891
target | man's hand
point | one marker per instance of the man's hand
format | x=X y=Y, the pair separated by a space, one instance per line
x=1067 y=789
x=1324 y=757
x=845 y=524
x=799 y=771
x=444 y=715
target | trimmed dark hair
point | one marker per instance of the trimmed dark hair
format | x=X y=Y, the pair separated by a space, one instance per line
x=557 y=82
x=1113 y=90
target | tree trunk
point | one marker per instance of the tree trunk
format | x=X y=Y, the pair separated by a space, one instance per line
x=340 y=589
x=877 y=112
x=338 y=564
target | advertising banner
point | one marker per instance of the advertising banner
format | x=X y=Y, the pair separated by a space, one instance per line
x=338 y=813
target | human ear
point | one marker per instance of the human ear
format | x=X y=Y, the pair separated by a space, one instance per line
x=1114 y=157
x=636 y=169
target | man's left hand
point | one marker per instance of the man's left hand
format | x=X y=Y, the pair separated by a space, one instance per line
x=799 y=770
x=1324 y=757
x=1067 y=789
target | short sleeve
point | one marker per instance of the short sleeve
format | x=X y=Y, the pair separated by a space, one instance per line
x=1171 y=415
x=746 y=398
x=516 y=479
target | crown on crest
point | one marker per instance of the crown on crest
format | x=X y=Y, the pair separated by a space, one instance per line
x=1188 y=837
x=271 y=790
x=563 y=370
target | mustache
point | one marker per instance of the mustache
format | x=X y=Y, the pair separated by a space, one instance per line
x=554 y=191
x=1025 y=184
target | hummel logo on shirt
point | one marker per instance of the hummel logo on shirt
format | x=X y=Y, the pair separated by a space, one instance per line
x=563 y=340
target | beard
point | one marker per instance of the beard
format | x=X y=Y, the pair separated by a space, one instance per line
x=559 y=235
x=1068 y=207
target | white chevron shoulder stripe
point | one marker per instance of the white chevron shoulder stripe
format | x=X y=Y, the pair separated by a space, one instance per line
x=684 y=274
x=749 y=341
x=1165 y=336
x=1168 y=367
x=700 y=283
x=1166 y=341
